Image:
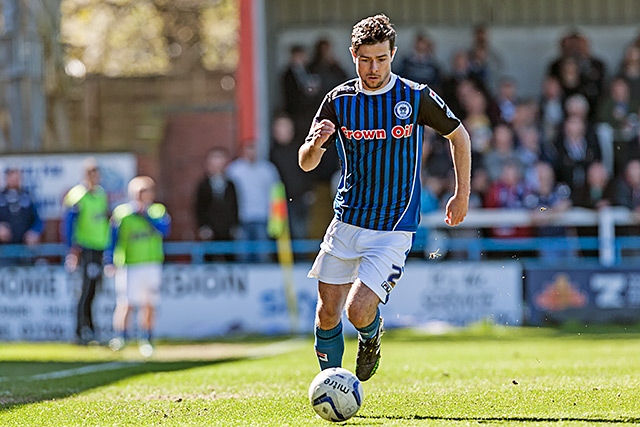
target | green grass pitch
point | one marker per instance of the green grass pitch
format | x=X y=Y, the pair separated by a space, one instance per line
x=487 y=376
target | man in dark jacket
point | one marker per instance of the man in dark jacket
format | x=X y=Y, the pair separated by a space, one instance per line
x=216 y=204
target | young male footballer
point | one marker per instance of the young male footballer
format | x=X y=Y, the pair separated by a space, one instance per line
x=376 y=122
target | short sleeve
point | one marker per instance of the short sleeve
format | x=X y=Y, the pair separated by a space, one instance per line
x=435 y=113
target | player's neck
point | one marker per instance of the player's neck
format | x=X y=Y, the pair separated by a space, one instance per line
x=383 y=89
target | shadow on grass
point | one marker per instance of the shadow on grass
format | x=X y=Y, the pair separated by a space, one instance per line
x=617 y=420
x=55 y=380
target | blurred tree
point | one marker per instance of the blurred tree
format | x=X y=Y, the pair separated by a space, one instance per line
x=149 y=37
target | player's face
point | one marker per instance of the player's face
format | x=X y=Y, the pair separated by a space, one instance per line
x=373 y=64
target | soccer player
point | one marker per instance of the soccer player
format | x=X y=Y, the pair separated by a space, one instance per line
x=376 y=121
x=86 y=228
x=137 y=231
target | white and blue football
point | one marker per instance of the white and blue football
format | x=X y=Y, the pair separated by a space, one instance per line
x=336 y=394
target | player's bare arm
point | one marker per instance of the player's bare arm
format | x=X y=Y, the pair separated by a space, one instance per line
x=311 y=152
x=458 y=204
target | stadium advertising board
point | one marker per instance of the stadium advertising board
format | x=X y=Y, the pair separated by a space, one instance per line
x=48 y=177
x=197 y=301
x=589 y=295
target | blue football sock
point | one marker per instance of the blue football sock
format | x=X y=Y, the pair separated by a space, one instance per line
x=370 y=331
x=145 y=335
x=329 y=347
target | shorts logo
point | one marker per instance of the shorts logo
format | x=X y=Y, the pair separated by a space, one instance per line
x=402 y=110
x=388 y=287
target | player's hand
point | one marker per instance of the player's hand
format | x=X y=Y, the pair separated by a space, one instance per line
x=31 y=238
x=457 y=208
x=205 y=233
x=71 y=262
x=322 y=130
x=109 y=270
x=5 y=232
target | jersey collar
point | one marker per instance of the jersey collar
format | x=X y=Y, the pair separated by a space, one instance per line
x=386 y=88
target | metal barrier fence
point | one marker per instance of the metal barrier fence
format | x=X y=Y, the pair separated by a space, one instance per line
x=606 y=247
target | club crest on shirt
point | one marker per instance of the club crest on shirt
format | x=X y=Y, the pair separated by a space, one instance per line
x=402 y=110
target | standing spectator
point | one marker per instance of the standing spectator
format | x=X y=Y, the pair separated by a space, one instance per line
x=485 y=63
x=216 y=203
x=86 y=227
x=325 y=68
x=459 y=72
x=620 y=112
x=300 y=89
x=630 y=71
x=19 y=219
x=576 y=150
x=421 y=65
x=592 y=72
x=569 y=46
x=253 y=178
x=284 y=155
x=137 y=232
x=551 y=109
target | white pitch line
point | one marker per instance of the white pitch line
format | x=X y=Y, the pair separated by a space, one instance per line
x=257 y=353
x=72 y=372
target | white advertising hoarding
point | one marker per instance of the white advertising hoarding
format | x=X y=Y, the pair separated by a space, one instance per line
x=200 y=301
x=49 y=176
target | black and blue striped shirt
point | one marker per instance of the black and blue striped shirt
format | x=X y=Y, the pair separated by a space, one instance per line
x=379 y=141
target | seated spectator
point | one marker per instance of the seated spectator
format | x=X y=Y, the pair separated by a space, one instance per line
x=459 y=72
x=502 y=151
x=509 y=191
x=548 y=201
x=576 y=150
x=598 y=191
x=630 y=71
x=507 y=99
x=627 y=192
x=477 y=123
x=529 y=152
x=620 y=112
x=421 y=64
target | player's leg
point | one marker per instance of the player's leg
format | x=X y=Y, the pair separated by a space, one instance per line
x=363 y=312
x=122 y=312
x=384 y=256
x=148 y=280
x=329 y=339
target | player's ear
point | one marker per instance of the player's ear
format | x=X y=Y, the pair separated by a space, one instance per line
x=393 y=52
x=354 y=55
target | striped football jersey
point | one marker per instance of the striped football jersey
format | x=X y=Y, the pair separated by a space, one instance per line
x=379 y=141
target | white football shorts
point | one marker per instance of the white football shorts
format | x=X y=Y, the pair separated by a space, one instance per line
x=139 y=284
x=375 y=257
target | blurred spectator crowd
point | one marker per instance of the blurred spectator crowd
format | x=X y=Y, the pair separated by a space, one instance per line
x=575 y=144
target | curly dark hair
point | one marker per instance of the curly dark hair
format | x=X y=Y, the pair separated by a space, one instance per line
x=373 y=30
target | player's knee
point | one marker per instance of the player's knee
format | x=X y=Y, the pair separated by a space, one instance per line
x=328 y=315
x=360 y=315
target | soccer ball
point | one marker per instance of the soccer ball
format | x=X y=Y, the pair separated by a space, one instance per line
x=336 y=394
